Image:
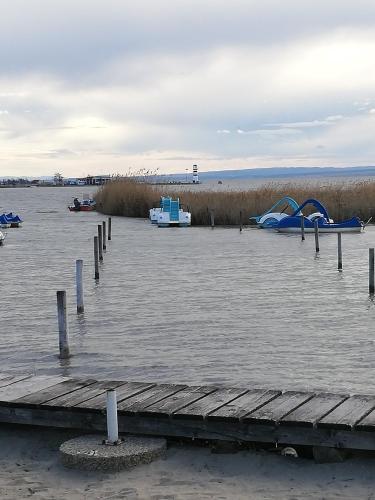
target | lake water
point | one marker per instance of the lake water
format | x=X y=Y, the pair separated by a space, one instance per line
x=190 y=305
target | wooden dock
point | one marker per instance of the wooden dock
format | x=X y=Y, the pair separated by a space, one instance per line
x=205 y=412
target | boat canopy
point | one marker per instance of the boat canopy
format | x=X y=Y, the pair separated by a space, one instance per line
x=316 y=204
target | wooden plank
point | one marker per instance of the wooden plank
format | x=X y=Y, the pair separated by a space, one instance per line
x=313 y=410
x=201 y=408
x=275 y=410
x=45 y=395
x=12 y=379
x=27 y=386
x=242 y=406
x=179 y=400
x=367 y=423
x=141 y=401
x=349 y=412
x=85 y=393
x=123 y=392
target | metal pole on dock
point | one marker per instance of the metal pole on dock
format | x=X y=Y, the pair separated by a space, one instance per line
x=104 y=236
x=109 y=228
x=212 y=217
x=100 y=241
x=112 y=424
x=63 y=324
x=302 y=228
x=371 y=282
x=339 y=252
x=96 y=257
x=79 y=285
x=240 y=221
x=316 y=229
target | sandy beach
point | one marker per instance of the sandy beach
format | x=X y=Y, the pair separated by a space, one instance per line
x=30 y=468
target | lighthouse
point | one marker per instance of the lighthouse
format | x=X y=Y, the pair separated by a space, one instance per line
x=195 y=174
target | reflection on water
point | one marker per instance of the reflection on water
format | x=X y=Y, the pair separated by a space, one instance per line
x=185 y=305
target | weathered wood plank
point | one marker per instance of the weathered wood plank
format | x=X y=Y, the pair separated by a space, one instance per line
x=27 y=386
x=367 y=423
x=348 y=413
x=313 y=410
x=242 y=406
x=123 y=392
x=210 y=403
x=45 y=395
x=141 y=401
x=12 y=379
x=178 y=400
x=275 y=410
x=85 y=393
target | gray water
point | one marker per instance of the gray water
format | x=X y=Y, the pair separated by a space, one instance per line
x=190 y=305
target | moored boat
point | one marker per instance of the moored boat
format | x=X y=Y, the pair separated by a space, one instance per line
x=292 y=223
x=87 y=205
x=172 y=215
x=2 y=238
x=272 y=217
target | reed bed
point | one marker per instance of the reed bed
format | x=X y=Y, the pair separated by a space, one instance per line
x=131 y=198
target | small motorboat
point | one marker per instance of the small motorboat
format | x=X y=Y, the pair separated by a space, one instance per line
x=172 y=215
x=272 y=217
x=292 y=223
x=87 y=205
x=2 y=238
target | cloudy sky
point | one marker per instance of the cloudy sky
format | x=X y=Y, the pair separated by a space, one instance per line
x=101 y=86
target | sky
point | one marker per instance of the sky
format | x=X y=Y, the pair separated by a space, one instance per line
x=97 y=87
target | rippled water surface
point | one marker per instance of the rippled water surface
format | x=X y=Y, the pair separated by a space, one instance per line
x=190 y=305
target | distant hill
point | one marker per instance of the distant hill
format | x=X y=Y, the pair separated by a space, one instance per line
x=277 y=172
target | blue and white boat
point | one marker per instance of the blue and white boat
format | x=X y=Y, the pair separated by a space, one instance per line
x=292 y=223
x=10 y=220
x=172 y=215
x=154 y=212
x=272 y=217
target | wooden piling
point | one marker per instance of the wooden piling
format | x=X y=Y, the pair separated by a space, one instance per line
x=109 y=228
x=104 y=236
x=79 y=285
x=212 y=217
x=302 y=228
x=316 y=230
x=63 y=324
x=100 y=241
x=96 y=257
x=339 y=252
x=240 y=221
x=371 y=283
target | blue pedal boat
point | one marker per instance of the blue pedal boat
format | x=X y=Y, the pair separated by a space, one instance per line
x=271 y=218
x=292 y=223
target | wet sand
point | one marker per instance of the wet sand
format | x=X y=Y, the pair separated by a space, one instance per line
x=30 y=468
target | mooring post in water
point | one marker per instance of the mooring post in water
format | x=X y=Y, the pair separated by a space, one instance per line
x=63 y=324
x=109 y=228
x=339 y=252
x=212 y=217
x=104 y=236
x=112 y=424
x=302 y=228
x=79 y=285
x=371 y=282
x=316 y=229
x=240 y=221
x=96 y=257
x=100 y=241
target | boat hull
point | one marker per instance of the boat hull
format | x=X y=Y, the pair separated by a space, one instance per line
x=321 y=229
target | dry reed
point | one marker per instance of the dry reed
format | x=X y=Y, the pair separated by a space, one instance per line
x=131 y=198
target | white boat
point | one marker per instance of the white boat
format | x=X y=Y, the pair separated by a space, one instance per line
x=170 y=214
x=2 y=238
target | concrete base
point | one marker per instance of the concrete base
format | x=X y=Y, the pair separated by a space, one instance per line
x=324 y=455
x=88 y=452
